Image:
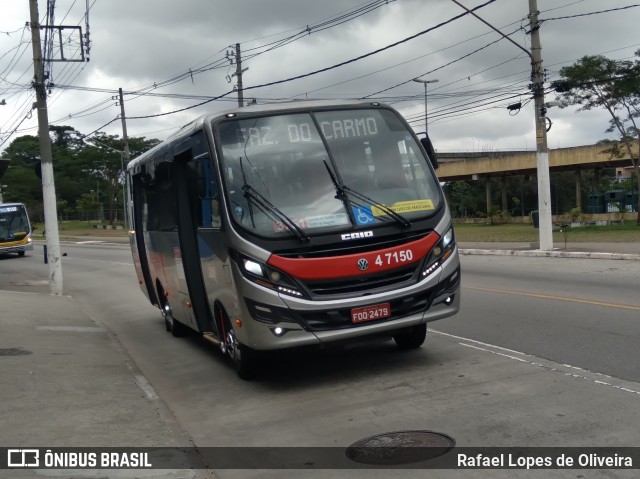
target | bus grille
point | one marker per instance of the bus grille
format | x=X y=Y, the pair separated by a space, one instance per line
x=358 y=284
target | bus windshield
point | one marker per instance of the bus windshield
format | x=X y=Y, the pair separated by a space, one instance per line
x=14 y=223
x=324 y=171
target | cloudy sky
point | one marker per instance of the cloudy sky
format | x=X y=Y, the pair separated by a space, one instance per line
x=170 y=55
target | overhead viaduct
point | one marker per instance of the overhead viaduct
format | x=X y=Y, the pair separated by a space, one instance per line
x=486 y=165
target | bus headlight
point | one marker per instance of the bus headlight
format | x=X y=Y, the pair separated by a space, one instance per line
x=268 y=276
x=253 y=267
x=440 y=252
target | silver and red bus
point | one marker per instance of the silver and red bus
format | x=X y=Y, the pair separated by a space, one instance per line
x=286 y=225
x=15 y=229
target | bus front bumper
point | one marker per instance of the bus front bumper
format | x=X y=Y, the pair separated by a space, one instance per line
x=16 y=246
x=275 y=321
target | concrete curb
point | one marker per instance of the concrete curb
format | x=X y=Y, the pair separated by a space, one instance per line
x=550 y=254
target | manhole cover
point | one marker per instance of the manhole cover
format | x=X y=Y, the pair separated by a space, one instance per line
x=401 y=447
x=14 y=352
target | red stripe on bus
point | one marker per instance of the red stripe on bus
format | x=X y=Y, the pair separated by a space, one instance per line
x=347 y=266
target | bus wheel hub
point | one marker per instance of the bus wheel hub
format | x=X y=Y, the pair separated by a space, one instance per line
x=231 y=345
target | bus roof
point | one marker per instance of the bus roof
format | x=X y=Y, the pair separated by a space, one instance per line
x=11 y=204
x=250 y=110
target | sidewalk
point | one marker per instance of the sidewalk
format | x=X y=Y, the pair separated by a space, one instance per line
x=51 y=354
x=623 y=251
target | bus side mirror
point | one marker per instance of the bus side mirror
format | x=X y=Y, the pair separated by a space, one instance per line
x=426 y=142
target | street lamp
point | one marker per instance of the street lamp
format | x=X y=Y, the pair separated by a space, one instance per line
x=425 y=82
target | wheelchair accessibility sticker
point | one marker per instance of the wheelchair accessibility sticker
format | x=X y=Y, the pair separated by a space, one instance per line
x=363 y=215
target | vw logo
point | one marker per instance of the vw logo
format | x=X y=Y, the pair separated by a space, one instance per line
x=363 y=264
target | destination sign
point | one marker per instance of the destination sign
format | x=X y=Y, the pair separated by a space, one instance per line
x=349 y=128
x=275 y=132
x=9 y=209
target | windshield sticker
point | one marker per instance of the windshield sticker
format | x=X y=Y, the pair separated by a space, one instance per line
x=320 y=221
x=406 y=207
x=363 y=215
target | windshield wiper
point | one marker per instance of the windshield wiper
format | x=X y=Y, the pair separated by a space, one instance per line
x=264 y=204
x=253 y=195
x=340 y=194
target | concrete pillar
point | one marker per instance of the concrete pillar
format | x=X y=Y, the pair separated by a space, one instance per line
x=487 y=187
x=505 y=204
x=578 y=189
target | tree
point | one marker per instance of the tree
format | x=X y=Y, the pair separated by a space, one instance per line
x=598 y=82
x=80 y=165
x=104 y=160
x=463 y=198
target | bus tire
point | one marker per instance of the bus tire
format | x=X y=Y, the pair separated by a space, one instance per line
x=20 y=253
x=176 y=328
x=248 y=365
x=245 y=360
x=411 y=338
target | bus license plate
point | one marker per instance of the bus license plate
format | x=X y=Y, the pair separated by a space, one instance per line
x=371 y=313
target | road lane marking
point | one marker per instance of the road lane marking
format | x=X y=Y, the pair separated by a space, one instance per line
x=551 y=366
x=558 y=298
x=146 y=386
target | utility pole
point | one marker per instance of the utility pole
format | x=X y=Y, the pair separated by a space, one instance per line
x=48 y=185
x=125 y=156
x=239 y=75
x=545 y=230
x=542 y=149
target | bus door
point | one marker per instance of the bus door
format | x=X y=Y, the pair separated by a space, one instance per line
x=198 y=230
x=140 y=258
x=212 y=244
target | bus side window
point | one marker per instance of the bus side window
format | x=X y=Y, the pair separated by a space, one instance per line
x=208 y=193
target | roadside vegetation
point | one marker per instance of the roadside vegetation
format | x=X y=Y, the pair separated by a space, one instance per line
x=512 y=232
x=503 y=233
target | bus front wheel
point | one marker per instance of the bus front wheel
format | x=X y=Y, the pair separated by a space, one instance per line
x=244 y=358
x=411 y=338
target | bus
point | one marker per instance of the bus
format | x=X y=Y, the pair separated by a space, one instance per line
x=15 y=229
x=286 y=225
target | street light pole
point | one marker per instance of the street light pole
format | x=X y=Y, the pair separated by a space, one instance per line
x=425 y=82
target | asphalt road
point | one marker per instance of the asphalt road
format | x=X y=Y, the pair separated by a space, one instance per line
x=574 y=311
x=585 y=313
x=524 y=363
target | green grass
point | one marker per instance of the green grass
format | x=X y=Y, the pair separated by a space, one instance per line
x=80 y=228
x=626 y=233
x=506 y=233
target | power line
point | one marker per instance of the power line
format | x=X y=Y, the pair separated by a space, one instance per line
x=592 y=13
x=366 y=55
x=440 y=67
x=321 y=70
